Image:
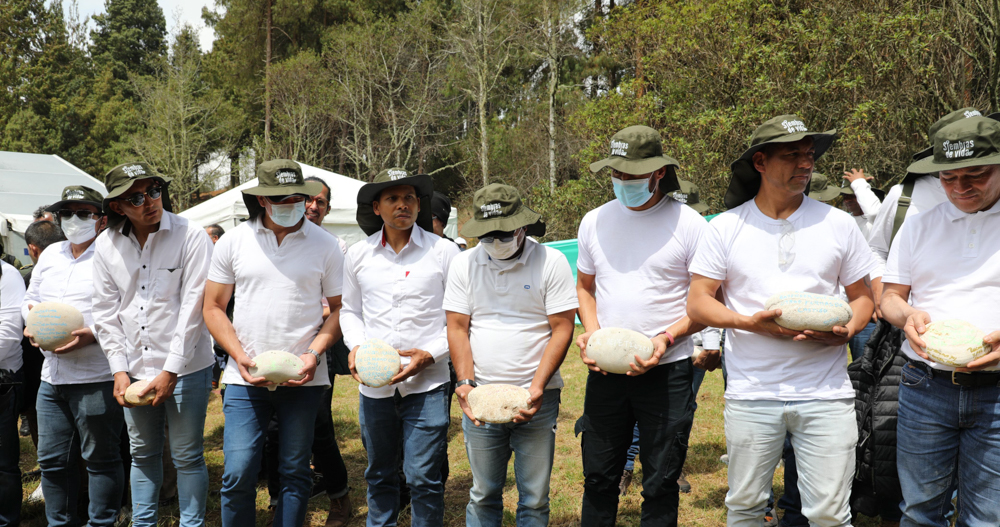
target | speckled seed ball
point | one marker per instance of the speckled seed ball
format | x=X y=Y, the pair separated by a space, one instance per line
x=801 y=311
x=277 y=366
x=615 y=348
x=954 y=342
x=132 y=394
x=52 y=324
x=498 y=403
x=376 y=363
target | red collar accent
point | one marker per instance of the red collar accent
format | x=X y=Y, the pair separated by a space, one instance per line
x=383 y=236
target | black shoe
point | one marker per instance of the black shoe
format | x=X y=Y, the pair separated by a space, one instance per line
x=318 y=487
x=25 y=430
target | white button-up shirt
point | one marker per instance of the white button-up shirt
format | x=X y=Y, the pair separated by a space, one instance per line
x=148 y=300
x=398 y=298
x=278 y=289
x=11 y=323
x=869 y=203
x=58 y=277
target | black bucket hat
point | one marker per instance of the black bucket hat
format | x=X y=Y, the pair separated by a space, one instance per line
x=965 y=143
x=78 y=194
x=392 y=177
x=498 y=207
x=119 y=180
x=689 y=195
x=638 y=150
x=744 y=182
x=278 y=177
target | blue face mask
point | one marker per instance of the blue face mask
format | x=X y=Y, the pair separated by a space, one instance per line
x=632 y=193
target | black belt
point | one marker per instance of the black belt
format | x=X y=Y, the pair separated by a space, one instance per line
x=971 y=379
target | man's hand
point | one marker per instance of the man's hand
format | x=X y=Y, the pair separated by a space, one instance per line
x=309 y=363
x=419 y=359
x=581 y=342
x=122 y=382
x=245 y=363
x=839 y=336
x=916 y=325
x=350 y=364
x=462 y=392
x=762 y=323
x=534 y=402
x=709 y=360
x=639 y=366
x=84 y=337
x=990 y=359
x=163 y=384
x=855 y=174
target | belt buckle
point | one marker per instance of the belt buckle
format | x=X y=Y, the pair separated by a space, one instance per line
x=953 y=381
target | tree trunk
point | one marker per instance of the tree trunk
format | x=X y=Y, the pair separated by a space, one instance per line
x=267 y=77
x=551 y=17
x=484 y=159
x=234 y=169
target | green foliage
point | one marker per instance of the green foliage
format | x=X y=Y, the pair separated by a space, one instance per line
x=129 y=37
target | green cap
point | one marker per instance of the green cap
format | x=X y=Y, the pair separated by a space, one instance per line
x=78 y=194
x=957 y=115
x=498 y=207
x=688 y=195
x=965 y=143
x=371 y=223
x=278 y=177
x=820 y=188
x=636 y=150
x=745 y=180
x=119 y=179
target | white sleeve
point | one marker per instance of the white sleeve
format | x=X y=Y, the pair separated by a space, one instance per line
x=333 y=275
x=560 y=291
x=107 y=302
x=190 y=320
x=880 y=236
x=584 y=259
x=897 y=267
x=221 y=270
x=869 y=202
x=439 y=348
x=11 y=323
x=33 y=295
x=352 y=321
x=858 y=262
x=710 y=258
x=456 y=293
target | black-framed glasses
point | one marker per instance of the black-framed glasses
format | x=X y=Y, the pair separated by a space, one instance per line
x=503 y=238
x=285 y=197
x=320 y=202
x=82 y=214
x=138 y=198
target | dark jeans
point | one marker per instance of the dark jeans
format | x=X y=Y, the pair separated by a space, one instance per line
x=85 y=417
x=633 y=449
x=659 y=401
x=11 y=396
x=858 y=341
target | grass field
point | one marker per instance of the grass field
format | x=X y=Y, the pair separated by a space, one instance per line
x=704 y=506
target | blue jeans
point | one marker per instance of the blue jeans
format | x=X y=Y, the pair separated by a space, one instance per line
x=858 y=341
x=183 y=413
x=946 y=433
x=633 y=449
x=489 y=447
x=11 y=396
x=86 y=415
x=248 y=410
x=418 y=422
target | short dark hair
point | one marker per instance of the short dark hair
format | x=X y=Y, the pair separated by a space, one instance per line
x=215 y=230
x=39 y=212
x=41 y=234
x=321 y=182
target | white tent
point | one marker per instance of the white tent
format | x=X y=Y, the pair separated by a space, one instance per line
x=28 y=181
x=228 y=209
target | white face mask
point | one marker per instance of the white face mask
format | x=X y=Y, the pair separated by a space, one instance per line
x=79 y=231
x=499 y=250
x=286 y=215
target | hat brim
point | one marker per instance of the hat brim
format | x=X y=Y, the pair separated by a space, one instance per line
x=371 y=223
x=308 y=189
x=124 y=188
x=636 y=167
x=928 y=165
x=476 y=227
x=744 y=181
x=57 y=206
x=826 y=194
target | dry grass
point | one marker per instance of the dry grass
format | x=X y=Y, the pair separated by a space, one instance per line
x=704 y=506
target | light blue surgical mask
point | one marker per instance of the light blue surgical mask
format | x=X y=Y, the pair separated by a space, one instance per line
x=286 y=215
x=632 y=193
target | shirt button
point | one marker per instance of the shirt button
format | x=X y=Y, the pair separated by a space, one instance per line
x=144 y=287
x=144 y=267
x=971 y=245
x=973 y=231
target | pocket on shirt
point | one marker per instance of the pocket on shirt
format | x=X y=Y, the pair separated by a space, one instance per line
x=167 y=281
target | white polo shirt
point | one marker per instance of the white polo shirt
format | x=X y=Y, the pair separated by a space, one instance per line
x=397 y=298
x=58 y=277
x=951 y=261
x=509 y=304
x=927 y=194
x=741 y=249
x=278 y=289
x=640 y=262
x=148 y=300
x=11 y=323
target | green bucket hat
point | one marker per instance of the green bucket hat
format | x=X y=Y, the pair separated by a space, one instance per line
x=965 y=143
x=392 y=177
x=846 y=190
x=278 y=177
x=638 y=150
x=119 y=180
x=688 y=195
x=953 y=117
x=78 y=194
x=498 y=207
x=745 y=180
x=820 y=188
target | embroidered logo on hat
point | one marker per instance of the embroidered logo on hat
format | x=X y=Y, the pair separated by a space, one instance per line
x=286 y=176
x=74 y=194
x=971 y=113
x=793 y=127
x=680 y=196
x=619 y=148
x=958 y=149
x=134 y=171
x=396 y=174
x=491 y=209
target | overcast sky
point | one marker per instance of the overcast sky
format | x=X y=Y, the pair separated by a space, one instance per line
x=176 y=12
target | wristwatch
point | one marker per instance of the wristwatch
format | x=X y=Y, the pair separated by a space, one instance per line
x=465 y=382
x=314 y=352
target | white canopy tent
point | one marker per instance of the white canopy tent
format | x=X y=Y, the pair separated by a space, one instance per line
x=228 y=209
x=28 y=181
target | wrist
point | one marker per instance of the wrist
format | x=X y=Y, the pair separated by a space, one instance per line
x=669 y=336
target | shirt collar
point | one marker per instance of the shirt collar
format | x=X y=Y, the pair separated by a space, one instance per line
x=258 y=226
x=165 y=224
x=954 y=214
x=417 y=237
x=67 y=249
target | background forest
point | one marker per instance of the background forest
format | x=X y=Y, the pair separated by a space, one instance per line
x=525 y=92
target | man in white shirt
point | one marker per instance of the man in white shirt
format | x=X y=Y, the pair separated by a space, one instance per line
x=11 y=392
x=278 y=266
x=944 y=265
x=632 y=273
x=511 y=305
x=394 y=284
x=775 y=239
x=76 y=375
x=150 y=267
x=861 y=200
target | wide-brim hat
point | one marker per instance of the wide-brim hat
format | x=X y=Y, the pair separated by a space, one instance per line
x=957 y=115
x=820 y=188
x=966 y=143
x=638 y=150
x=78 y=194
x=120 y=179
x=278 y=177
x=846 y=190
x=371 y=223
x=498 y=207
x=688 y=194
x=744 y=183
